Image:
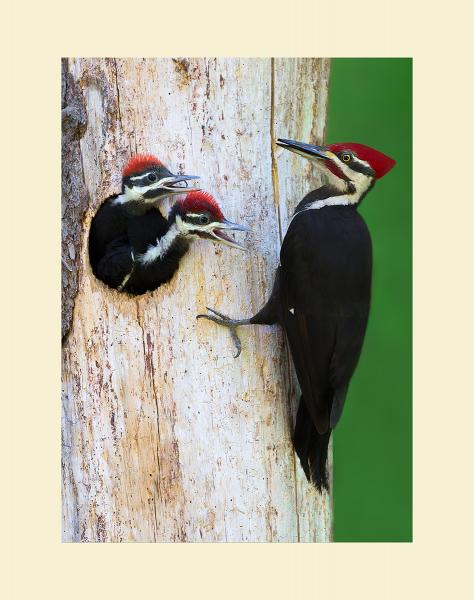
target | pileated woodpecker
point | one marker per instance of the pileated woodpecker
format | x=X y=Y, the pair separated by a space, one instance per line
x=197 y=215
x=132 y=216
x=141 y=266
x=321 y=293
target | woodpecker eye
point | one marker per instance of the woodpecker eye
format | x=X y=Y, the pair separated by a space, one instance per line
x=151 y=177
x=346 y=157
x=204 y=219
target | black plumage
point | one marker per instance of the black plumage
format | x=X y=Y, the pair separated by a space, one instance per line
x=321 y=297
x=118 y=233
x=148 y=277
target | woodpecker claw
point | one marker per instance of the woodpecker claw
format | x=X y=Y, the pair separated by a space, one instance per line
x=216 y=312
x=236 y=340
x=226 y=321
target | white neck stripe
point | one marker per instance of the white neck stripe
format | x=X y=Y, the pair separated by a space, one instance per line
x=317 y=204
x=162 y=246
x=333 y=201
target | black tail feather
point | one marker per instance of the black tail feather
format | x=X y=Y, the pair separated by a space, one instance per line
x=311 y=448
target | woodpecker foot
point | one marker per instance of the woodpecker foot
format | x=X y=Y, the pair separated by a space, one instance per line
x=226 y=321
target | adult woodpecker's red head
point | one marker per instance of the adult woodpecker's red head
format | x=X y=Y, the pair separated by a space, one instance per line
x=350 y=167
x=146 y=180
x=198 y=214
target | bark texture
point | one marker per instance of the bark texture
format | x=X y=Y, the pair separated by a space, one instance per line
x=165 y=436
x=74 y=198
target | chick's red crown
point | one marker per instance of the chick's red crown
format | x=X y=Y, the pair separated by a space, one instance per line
x=199 y=202
x=140 y=163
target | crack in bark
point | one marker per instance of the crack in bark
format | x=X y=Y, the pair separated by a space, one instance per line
x=119 y=114
x=151 y=373
x=275 y=181
x=276 y=198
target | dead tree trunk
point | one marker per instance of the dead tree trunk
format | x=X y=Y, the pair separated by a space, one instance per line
x=165 y=436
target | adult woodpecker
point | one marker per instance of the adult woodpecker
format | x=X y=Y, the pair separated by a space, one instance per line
x=197 y=215
x=132 y=216
x=321 y=293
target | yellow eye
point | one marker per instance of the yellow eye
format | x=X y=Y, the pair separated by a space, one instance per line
x=346 y=158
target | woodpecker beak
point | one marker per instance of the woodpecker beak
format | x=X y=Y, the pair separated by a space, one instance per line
x=169 y=183
x=217 y=233
x=306 y=150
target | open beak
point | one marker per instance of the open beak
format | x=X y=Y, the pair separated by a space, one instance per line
x=170 y=183
x=218 y=233
x=306 y=150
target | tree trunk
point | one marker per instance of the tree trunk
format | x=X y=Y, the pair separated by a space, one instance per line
x=167 y=437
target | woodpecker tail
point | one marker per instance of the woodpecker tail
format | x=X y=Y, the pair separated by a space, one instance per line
x=311 y=448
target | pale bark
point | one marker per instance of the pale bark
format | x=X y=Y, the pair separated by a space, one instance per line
x=167 y=437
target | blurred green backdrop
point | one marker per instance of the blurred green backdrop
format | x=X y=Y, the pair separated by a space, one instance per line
x=370 y=101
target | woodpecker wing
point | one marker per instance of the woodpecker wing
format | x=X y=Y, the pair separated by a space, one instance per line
x=117 y=234
x=108 y=224
x=324 y=303
x=113 y=221
x=116 y=266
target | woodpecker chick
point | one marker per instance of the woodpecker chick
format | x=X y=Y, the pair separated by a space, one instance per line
x=197 y=215
x=146 y=180
x=131 y=217
x=321 y=292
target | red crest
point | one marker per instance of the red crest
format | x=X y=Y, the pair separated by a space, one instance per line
x=199 y=202
x=380 y=163
x=139 y=163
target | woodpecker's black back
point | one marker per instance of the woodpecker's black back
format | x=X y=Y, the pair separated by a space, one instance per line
x=326 y=260
x=118 y=233
x=146 y=278
x=321 y=297
x=143 y=230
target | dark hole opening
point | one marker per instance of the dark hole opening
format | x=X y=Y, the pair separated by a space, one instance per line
x=120 y=236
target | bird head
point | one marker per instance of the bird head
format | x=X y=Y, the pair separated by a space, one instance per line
x=352 y=168
x=146 y=180
x=198 y=214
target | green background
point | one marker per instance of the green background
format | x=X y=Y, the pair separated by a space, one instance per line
x=370 y=101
